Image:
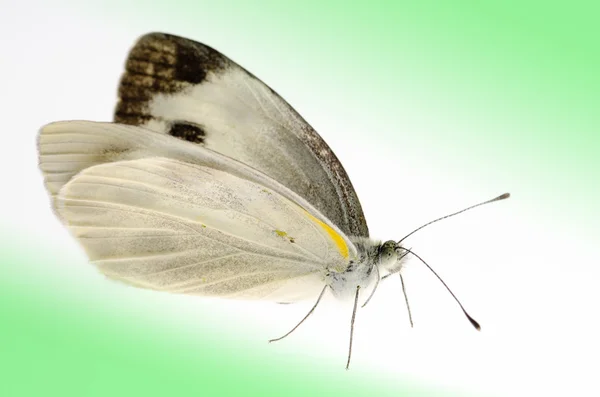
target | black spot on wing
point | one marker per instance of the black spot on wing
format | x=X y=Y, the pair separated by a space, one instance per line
x=187 y=131
x=162 y=64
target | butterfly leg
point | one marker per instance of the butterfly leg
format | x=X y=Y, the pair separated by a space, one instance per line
x=305 y=317
x=406 y=300
x=352 y=326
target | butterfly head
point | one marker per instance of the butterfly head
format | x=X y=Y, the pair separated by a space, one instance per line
x=391 y=256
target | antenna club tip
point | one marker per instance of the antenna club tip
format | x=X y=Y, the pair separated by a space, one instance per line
x=503 y=196
x=474 y=323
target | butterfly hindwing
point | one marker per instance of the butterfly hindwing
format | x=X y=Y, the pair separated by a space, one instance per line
x=185 y=89
x=169 y=225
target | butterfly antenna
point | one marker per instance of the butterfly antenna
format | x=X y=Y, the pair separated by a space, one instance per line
x=471 y=319
x=305 y=317
x=501 y=197
x=352 y=326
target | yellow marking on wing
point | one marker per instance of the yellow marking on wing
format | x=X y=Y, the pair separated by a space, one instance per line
x=337 y=239
x=281 y=233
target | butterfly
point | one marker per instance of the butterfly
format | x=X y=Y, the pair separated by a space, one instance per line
x=209 y=183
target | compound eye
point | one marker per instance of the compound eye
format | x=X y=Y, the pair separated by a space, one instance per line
x=387 y=253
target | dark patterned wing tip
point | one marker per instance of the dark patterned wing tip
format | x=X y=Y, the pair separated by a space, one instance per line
x=162 y=64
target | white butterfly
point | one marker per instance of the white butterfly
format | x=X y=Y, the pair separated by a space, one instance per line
x=209 y=183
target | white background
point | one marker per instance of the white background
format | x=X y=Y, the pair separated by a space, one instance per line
x=531 y=282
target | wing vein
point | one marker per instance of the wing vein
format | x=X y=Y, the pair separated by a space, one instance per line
x=174 y=219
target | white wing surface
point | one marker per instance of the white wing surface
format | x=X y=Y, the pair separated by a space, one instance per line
x=168 y=225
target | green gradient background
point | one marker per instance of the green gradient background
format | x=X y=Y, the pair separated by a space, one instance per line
x=516 y=81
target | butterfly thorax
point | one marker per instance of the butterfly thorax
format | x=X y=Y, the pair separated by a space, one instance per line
x=372 y=258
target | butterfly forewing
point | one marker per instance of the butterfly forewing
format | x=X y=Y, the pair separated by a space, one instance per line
x=190 y=91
